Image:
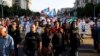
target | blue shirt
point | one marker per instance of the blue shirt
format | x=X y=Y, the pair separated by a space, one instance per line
x=6 y=44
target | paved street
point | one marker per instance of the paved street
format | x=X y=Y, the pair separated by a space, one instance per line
x=86 y=48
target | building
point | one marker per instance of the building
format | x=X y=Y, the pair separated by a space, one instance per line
x=21 y=3
x=8 y=3
x=98 y=1
x=64 y=11
x=82 y=3
x=24 y=4
x=17 y=2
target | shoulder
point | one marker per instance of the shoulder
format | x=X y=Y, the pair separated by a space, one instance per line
x=9 y=37
x=37 y=34
x=28 y=33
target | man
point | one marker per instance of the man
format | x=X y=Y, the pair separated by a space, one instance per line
x=98 y=41
x=14 y=31
x=33 y=42
x=6 y=43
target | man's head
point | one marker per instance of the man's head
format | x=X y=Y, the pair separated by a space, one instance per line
x=36 y=23
x=33 y=28
x=3 y=31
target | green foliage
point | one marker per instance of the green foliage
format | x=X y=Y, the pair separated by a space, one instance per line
x=97 y=9
x=14 y=10
x=87 y=11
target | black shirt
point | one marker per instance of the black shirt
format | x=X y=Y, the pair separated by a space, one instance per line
x=32 y=40
x=57 y=39
x=46 y=39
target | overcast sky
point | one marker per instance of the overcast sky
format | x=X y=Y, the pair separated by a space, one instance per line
x=38 y=5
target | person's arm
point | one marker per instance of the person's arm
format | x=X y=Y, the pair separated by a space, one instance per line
x=19 y=38
x=12 y=47
x=12 y=52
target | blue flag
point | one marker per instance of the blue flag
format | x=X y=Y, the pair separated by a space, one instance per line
x=52 y=13
x=46 y=10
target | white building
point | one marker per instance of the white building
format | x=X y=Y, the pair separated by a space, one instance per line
x=9 y=3
x=24 y=4
x=21 y=3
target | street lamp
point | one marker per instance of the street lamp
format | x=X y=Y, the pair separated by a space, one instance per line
x=94 y=10
x=2 y=8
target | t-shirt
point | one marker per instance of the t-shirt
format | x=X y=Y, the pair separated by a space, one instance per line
x=32 y=40
x=46 y=39
x=57 y=38
x=6 y=44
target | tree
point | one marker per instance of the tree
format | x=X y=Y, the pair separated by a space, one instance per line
x=97 y=9
x=89 y=10
x=80 y=12
x=14 y=10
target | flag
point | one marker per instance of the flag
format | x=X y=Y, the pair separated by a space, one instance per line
x=46 y=10
x=52 y=13
x=72 y=19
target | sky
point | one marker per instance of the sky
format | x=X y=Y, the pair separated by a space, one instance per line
x=38 y=5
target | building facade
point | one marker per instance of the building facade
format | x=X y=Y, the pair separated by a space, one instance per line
x=82 y=3
x=21 y=3
x=8 y=3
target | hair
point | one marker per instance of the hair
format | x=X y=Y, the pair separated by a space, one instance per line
x=56 y=22
x=35 y=22
x=3 y=28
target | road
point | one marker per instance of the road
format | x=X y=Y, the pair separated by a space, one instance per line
x=86 y=48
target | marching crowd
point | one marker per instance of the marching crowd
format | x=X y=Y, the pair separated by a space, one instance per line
x=46 y=37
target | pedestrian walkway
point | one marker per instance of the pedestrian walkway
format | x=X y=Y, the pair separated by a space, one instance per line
x=86 y=48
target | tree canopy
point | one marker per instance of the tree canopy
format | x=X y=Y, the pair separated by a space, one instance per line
x=14 y=10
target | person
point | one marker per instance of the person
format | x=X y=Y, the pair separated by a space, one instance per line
x=33 y=42
x=14 y=31
x=98 y=41
x=39 y=29
x=57 y=39
x=6 y=43
x=74 y=39
x=47 y=41
x=95 y=35
x=66 y=34
x=82 y=28
x=3 y=23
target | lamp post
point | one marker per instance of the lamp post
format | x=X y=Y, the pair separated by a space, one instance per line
x=2 y=9
x=95 y=11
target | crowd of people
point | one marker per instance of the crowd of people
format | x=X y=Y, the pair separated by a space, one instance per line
x=45 y=37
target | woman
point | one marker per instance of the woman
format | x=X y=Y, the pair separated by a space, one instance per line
x=57 y=39
x=47 y=42
x=14 y=31
x=66 y=34
x=74 y=39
